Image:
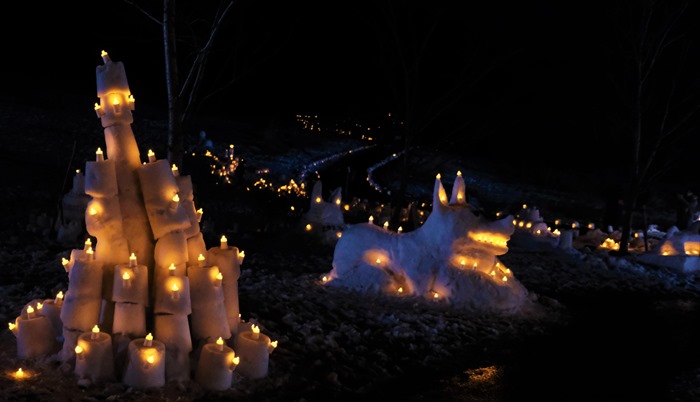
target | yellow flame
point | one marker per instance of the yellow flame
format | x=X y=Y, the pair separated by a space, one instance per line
x=11 y=325
x=220 y=341
x=255 y=328
x=95 y=329
x=30 y=309
x=78 y=349
x=308 y=227
x=150 y=359
x=175 y=288
x=149 y=337
x=274 y=344
x=126 y=276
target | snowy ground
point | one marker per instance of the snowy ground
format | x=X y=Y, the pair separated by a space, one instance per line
x=337 y=345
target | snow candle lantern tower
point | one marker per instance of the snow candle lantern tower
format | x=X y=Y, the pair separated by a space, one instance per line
x=452 y=257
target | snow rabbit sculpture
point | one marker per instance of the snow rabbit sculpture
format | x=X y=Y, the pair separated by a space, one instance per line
x=451 y=258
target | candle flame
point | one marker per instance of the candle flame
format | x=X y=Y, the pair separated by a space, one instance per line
x=92 y=211
x=103 y=53
x=459 y=173
x=150 y=359
x=324 y=279
x=371 y=219
x=126 y=276
x=236 y=360
x=78 y=349
x=115 y=101
x=171 y=268
x=255 y=328
x=149 y=337
x=99 y=151
x=318 y=200
x=175 y=288
x=201 y=257
x=65 y=261
x=219 y=276
x=39 y=306
x=97 y=106
x=95 y=329
x=59 y=295
x=174 y=168
x=308 y=227
x=273 y=344
x=223 y=239
x=200 y=211
x=12 y=325
x=30 y=310
x=400 y=290
x=220 y=341
x=151 y=153
x=438 y=176
x=19 y=373
x=176 y=198
x=435 y=295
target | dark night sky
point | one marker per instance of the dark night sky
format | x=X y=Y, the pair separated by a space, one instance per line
x=549 y=63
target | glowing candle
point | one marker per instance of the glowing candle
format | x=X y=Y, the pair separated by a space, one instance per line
x=116 y=105
x=151 y=156
x=30 y=312
x=95 y=332
x=220 y=344
x=318 y=200
x=200 y=212
x=256 y=332
x=79 y=352
x=99 y=154
x=219 y=279
x=171 y=269
x=59 y=298
x=241 y=256
x=148 y=340
x=201 y=261
x=12 y=326
x=88 y=244
x=224 y=242
x=175 y=295
x=386 y=225
x=19 y=374
x=150 y=359
x=176 y=171
x=308 y=227
x=235 y=361
x=39 y=306
x=400 y=229
x=126 y=279
x=98 y=110
x=371 y=219
x=175 y=201
x=132 y=260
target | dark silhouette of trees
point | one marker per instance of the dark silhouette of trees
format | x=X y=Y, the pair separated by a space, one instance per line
x=658 y=107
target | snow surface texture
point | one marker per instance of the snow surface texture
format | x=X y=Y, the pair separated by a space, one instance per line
x=452 y=257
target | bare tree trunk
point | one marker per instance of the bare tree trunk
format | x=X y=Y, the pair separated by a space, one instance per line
x=175 y=131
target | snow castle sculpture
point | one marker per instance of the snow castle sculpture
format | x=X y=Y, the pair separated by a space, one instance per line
x=452 y=257
x=149 y=297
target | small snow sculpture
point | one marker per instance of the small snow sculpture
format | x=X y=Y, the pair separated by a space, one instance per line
x=452 y=257
x=324 y=218
x=532 y=232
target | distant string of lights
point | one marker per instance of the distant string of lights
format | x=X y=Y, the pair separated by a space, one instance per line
x=379 y=164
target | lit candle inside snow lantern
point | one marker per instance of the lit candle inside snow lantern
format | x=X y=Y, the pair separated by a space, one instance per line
x=132 y=260
x=126 y=279
x=116 y=105
x=98 y=110
x=151 y=156
x=400 y=229
x=30 y=312
x=200 y=212
x=220 y=344
x=219 y=279
x=201 y=261
x=88 y=244
x=99 y=155
x=175 y=292
x=386 y=225
x=224 y=242
x=90 y=254
x=79 y=352
x=241 y=256
x=20 y=374
x=105 y=57
x=171 y=269
x=371 y=219
x=176 y=171
x=174 y=202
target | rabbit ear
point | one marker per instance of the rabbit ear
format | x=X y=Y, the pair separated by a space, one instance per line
x=317 y=191
x=439 y=194
x=459 y=192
